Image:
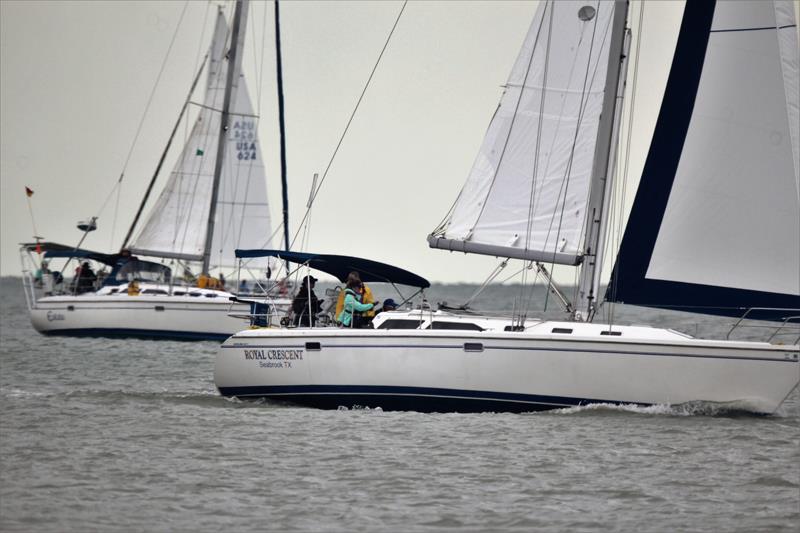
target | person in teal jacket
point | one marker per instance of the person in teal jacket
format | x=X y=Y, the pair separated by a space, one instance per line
x=352 y=302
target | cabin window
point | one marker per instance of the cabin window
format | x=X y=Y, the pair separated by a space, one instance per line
x=313 y=346
x=154 y=291
x=473 y=347
x=562 y=330
x=159 y=308
x=70 y=308
x=468 y=326
x=397 y=323
x=612 y=333
x=178 y=293
x=211 y=295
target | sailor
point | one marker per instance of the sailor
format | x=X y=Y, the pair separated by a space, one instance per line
x=85 y=278
x=41 y=273
x=133 y=288
x=368 y=298
x=353 y=279
x=352 y=304
x=388 y=305
x=306 y=305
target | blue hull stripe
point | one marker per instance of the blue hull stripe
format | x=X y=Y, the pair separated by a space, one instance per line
x=138 y=333
x=420 y=399
x=521 y=348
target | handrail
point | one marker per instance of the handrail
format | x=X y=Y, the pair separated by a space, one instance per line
x=786 y=322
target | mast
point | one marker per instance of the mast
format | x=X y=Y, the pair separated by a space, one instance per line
x=234 y=67
x=602 y=169
x=284 y=186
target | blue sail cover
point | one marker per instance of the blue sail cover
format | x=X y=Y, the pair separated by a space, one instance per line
x=339 y=266
x=715 y=225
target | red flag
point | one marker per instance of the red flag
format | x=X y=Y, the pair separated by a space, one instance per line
x=29 y=192
x=38 y=248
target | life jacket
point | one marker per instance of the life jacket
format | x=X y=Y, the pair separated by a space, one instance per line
x=340 y=311
x=205 y=281
x=368 y=298
x=339 y=304
x=365 y=297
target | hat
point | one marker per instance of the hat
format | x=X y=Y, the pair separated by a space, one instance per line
x=388 y=302
x=309 y=279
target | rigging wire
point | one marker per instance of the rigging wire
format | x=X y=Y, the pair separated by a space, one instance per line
x=536 y=197
x=202 y=38
x=565 y=183
x=562 y=194
x=514 y=116
x=525 y=302
x=114 y=220
x=503 y=150
x=144 y=115
x=350 y=120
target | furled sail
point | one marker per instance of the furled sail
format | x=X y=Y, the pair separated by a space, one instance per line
x=715 y=225
x=177 y=224
x=527 y=192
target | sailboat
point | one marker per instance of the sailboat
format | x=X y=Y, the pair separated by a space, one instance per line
x=214 y=201
x=714 y=228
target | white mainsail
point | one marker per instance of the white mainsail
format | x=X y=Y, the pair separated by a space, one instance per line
x=528 y=189
x=178 y=222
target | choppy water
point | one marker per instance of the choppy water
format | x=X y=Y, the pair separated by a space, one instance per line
x=129 y=435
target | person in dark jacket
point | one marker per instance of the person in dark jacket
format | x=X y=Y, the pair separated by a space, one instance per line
x=85 y=278
x=306 y=305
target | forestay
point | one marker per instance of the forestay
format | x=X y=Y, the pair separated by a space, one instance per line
x=177 y=224
x=715 y=226
x=527 y=192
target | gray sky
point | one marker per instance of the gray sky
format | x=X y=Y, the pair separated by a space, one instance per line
x=76 y=77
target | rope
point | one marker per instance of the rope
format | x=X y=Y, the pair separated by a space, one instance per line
x=352 y=115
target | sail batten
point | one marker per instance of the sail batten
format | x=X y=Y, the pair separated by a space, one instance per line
x=715 y=225
x=527 y=192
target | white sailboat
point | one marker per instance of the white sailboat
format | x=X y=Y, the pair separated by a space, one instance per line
x=214 y=201
x=714 y=228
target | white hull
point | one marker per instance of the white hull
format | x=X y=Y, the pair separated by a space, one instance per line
x=436 y=370
x=153 y=316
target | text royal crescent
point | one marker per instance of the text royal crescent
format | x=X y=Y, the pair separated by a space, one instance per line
x=280 y=355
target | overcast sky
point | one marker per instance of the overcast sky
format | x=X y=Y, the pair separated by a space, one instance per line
x=76 y=77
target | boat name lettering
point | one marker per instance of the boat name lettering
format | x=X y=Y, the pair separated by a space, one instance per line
x=54 y=316
x=278 y=354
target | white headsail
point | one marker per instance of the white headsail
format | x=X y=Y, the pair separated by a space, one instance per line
x=177 y=224
x=527 y=193
x=716 y=222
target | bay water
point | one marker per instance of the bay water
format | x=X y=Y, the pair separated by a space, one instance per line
x=131 y=435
